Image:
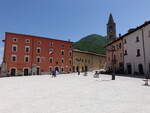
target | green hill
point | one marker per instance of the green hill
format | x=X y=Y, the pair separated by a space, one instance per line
x=92 y=43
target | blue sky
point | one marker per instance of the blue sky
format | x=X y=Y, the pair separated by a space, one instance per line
x=69 y=19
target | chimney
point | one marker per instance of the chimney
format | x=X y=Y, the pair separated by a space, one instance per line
x=130 y=30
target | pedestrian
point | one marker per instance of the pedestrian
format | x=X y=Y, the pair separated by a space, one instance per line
x=53 y=73
x=78 y=72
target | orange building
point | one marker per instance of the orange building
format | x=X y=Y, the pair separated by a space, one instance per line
x=29 y=55
x=115 y=56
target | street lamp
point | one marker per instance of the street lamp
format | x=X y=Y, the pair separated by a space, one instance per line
x=113 y=61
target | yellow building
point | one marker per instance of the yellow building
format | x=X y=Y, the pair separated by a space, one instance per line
x=87 y=61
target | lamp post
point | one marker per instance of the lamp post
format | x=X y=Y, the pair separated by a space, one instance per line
x=112 y=61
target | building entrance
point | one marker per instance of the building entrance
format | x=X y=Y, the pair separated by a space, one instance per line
x=129 y=69
x=13 y=72
x=140 y=66
x=26 y=72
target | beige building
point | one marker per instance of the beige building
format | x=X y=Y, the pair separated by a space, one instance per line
x=87 y=61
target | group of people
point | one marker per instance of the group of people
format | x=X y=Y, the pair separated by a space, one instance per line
x=54 y=73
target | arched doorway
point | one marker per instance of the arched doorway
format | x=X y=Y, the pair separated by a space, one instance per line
x=13 y=72
x=26 y=71
x=141 y=71
x=57 y=69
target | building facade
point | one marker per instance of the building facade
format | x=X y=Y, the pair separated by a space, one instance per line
x=115 y=56
x=87 y=61
x=136 y=50
x=26 y=54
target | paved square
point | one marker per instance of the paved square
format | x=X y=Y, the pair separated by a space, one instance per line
x=71 y=93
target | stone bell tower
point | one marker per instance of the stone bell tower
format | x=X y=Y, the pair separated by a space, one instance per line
x=111 y=29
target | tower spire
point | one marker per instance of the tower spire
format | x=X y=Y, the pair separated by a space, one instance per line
x=111 y=29
x=111 y=20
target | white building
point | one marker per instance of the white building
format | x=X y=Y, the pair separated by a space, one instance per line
x=137 y=50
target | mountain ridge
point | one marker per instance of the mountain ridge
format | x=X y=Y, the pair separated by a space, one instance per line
x=92 y=43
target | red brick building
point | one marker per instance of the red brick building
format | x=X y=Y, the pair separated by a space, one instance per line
x=26 y=54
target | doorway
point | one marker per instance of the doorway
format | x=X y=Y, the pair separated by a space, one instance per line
x=129 y=69
x=13 y=72
x=38 y=71
x=141 y=71
x=86 y=68
x=26 y=72
x=77 y=68
x=57 y=69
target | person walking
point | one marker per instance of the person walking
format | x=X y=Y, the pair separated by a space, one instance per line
x=53 y=73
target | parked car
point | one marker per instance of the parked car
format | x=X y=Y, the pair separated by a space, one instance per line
x=102 y=71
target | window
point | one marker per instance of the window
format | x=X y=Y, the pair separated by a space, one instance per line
x=120 y=45
x=137 y=39
x=138 y=53
x=51 y=60
x=62 y=60
x=39 y=42
x=14 y=40
x=27 y=40
x=38 y=50
x=51 y=44
x=113 y=48
x=27 y=49
x=70 y=61
x=125 y=52
x=26 y=58
x=70 y=53
x=62 y=46
x=62 y=52
x=14 y=48
x=50 y=69
x=117 y=46
x=82 y=60
x=38 y=59
x=14 y=58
